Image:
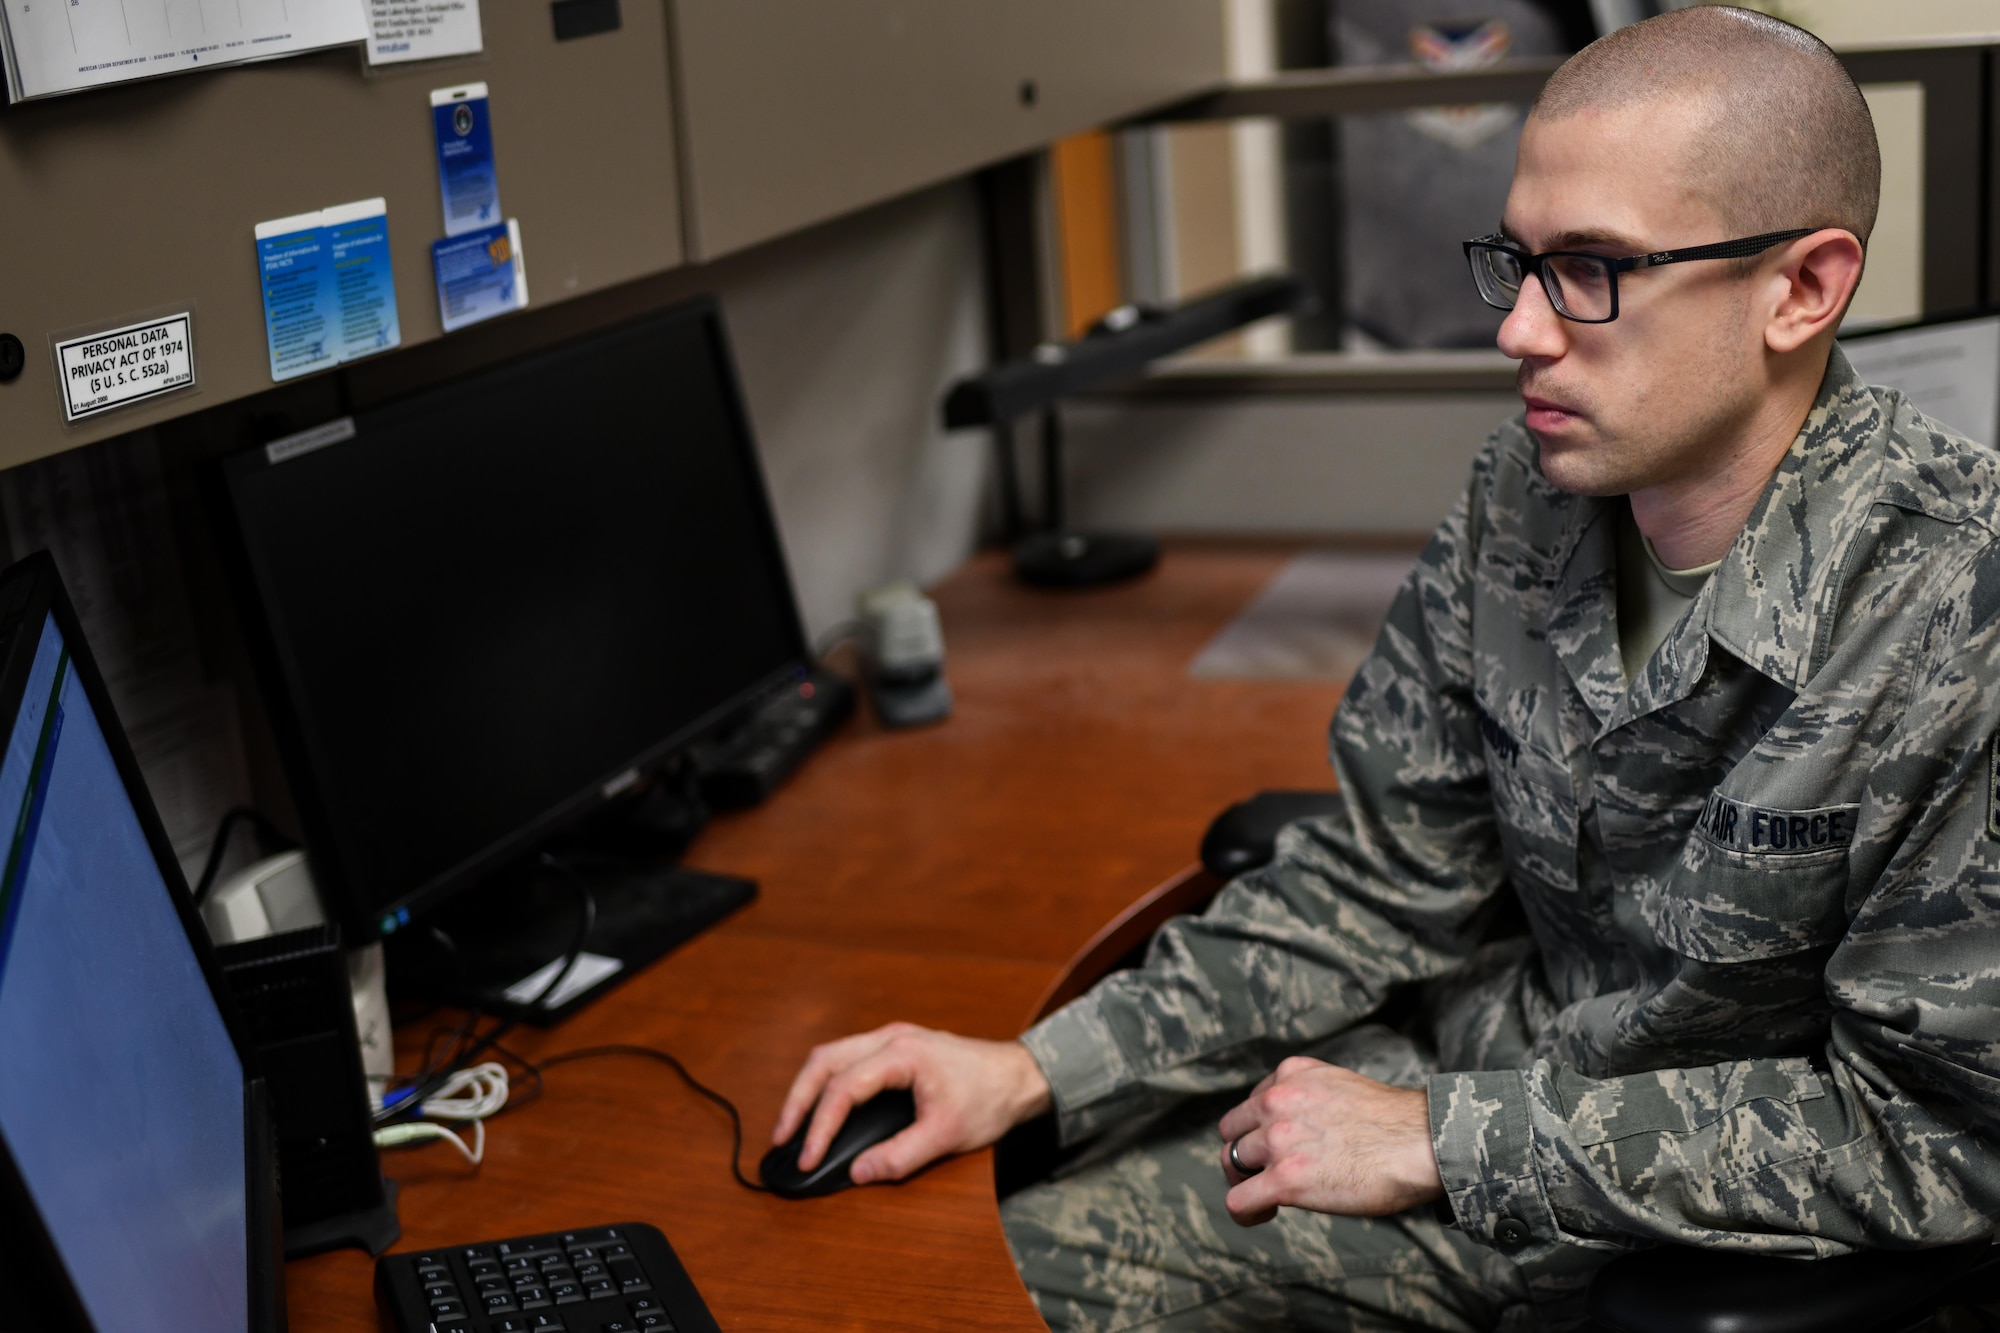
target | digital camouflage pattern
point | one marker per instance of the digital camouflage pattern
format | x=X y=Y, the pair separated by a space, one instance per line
x=1757 y=1006
x=1137 y=1237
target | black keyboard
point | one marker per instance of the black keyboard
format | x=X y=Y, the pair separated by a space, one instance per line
x=615 y=1279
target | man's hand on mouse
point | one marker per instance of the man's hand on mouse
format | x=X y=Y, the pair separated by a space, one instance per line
x=968 y=1094
x=1322 y=1137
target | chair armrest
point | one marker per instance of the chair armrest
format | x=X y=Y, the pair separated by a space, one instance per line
x=1029 y=1152
x=1123 y=941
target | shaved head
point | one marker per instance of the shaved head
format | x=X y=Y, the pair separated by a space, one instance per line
x=1781 y=136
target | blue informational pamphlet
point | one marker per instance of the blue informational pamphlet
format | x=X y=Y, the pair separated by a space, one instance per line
x=329 y=292
x=479 y=275
x=465 y=159
x=364 y=287
x=294 y=265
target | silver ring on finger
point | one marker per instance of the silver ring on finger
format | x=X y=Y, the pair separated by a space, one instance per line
x=1237 y=1162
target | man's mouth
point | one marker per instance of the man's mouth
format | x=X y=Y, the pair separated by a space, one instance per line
x=1547 y=414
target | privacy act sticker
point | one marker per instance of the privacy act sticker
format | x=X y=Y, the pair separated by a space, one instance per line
x=100 y=371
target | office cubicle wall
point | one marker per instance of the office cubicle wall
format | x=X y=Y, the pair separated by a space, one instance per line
x=1378 y=464
x=837 y=104
x=130 y=200
x=117 y=202
x=1957 y=179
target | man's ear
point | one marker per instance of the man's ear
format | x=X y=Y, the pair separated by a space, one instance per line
x=1820 y=273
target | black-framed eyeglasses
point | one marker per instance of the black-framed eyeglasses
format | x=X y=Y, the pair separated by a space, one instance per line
x=1584 y=287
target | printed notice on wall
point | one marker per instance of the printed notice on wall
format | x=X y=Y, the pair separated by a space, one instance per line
x=400 y=30
x=62 y=46
x=292 y=266
x=100 y=371
x=329 y=292
x=461 y=122
x=480 y=274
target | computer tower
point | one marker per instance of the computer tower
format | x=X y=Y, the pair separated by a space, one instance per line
x=292 y=992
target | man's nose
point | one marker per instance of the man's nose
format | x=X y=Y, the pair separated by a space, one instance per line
x=1532 y=327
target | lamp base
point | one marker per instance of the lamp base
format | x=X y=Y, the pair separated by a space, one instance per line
x=1084 y=560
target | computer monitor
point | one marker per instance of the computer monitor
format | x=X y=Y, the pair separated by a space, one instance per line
x=134 y=1159
x=482 y=610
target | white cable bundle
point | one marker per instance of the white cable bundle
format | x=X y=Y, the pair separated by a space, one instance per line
x=470 y=1094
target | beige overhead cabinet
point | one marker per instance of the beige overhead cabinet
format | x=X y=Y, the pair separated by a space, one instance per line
x=142 y=198
x=794 y=111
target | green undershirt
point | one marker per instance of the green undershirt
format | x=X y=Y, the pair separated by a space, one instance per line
x=1651 y=597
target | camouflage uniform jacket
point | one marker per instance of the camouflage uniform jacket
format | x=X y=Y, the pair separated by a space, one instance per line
x=1758 y=1006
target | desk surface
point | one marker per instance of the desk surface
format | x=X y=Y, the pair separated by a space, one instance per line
x=942 y=876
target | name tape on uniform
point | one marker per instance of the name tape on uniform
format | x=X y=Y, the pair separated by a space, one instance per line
x=1765 y=832
x=100 y=371
x=1993 y=789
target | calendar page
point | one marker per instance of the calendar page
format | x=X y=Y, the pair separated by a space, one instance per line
x=63 y=46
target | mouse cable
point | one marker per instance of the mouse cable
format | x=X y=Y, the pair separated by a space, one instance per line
x=517 y=1095
x=405 y=1101
x=437 y=1061
x=408 y=1100
x=471 y=1094
x=649 y=1053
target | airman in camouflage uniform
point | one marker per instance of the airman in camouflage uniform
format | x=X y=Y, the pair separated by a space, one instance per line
x=1683 y=929
x=1758 y=1007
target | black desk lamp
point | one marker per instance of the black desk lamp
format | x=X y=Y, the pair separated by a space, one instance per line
x=1118 y=347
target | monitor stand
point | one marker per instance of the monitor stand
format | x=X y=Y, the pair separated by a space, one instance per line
x=498 y=946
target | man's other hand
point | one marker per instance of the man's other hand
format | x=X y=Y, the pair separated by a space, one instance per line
x=968 y=1094
x=1326 y=1138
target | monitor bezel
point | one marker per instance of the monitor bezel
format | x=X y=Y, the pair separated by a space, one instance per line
x=299 y=745
x=31 y=593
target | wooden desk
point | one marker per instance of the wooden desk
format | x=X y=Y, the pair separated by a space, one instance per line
x=942 y=876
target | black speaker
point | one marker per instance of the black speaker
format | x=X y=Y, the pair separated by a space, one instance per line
x=292 y=992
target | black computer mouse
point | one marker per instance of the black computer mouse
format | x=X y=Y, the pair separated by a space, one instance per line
x=882 y=1116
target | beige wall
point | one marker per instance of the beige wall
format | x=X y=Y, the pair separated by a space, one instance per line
x=1892 y=282
x=1846 y=23
x=1383 y=464
x=846 y=338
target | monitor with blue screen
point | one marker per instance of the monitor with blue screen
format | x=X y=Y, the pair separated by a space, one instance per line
x=126 y=1130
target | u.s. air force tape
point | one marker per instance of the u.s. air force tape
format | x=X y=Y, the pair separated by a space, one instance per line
x=1764 y=831
x=1993 y=788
